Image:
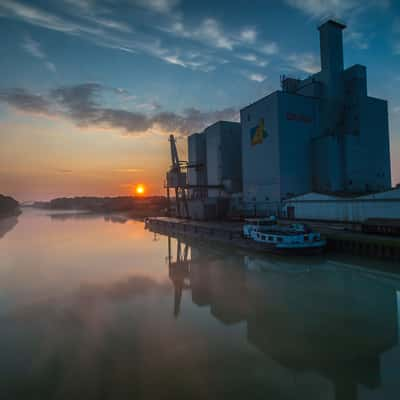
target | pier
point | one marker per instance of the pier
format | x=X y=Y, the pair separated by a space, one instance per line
x=230 y=233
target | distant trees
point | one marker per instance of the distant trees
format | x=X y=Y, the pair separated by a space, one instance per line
x=139 y=206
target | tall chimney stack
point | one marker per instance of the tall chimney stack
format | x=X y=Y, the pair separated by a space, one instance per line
x=331 y=75
x=331 y=42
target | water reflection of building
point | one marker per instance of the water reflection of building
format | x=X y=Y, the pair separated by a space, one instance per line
x=210 y=286
x=178 y=272
x=324 y=320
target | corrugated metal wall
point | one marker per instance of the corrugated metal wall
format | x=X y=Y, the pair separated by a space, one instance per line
x=345 y=210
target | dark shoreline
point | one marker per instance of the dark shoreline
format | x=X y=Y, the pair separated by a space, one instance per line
x=9 y=207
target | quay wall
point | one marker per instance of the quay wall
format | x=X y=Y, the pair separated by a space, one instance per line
x=345 y=242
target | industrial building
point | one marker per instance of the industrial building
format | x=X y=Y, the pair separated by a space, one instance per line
x=322 y=134
x=215 y=158
x=216 y=152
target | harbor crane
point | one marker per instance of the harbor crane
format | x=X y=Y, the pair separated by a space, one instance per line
x=179 y=272
x=177 y=180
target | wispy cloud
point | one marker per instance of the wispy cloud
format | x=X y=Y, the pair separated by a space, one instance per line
x=349 y=10
x=358 y=39
x=38 y=17
x=306 y=62
x=335 y=8
x=269 y=48
x=253 y=59
x=92 y=21
x=82 y=5
x=149 y=107
x=160 y=6
x=109 y=23
x=50 y=66
x=81 y=104
x=248 y=35
x=254 y=76
x=184 y=59
x=35 y=50
x=209 y=31
x=110 y=33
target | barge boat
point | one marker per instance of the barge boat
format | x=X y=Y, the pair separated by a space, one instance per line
x=292 y=239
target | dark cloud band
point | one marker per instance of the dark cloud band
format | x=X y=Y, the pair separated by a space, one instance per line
x=81 y=103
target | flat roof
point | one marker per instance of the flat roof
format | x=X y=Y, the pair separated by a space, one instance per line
x=221 y=121
x=333 y=22
x=261 y=99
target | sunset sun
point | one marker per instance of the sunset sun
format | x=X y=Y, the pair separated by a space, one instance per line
x=139 y=189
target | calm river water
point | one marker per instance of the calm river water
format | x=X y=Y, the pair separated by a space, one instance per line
x=93 y=308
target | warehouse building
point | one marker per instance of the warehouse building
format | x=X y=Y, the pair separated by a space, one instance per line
x=322 y=134
x=317 y=206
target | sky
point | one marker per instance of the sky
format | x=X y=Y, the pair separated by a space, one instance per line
x=91 y=89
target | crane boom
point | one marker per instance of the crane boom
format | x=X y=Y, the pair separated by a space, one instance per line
x=174 y=152
x=176 y=179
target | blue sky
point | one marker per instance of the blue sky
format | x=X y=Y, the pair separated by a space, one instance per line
x=158 y=66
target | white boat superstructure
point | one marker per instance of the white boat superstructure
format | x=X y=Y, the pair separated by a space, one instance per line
x=254 y=224
x=295 y=237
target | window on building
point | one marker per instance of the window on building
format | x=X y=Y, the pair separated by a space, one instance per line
x=248 y=117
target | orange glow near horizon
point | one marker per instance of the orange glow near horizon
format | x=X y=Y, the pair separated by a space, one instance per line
x=140 y=189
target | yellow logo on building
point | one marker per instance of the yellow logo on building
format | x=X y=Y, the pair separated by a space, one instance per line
x=258 y=133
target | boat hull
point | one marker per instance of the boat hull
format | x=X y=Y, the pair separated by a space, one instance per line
x=297 y=249
x=301 y=250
